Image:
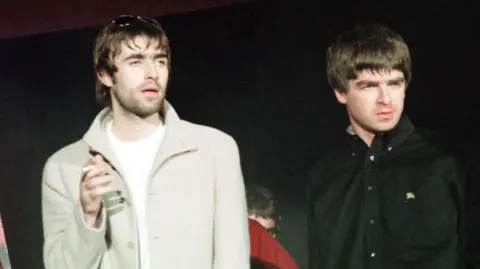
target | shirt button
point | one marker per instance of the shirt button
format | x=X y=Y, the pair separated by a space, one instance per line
x=373 y=254
x=389 y=148
x=372 y=158
x=130 y=244
x=370 y=188
x=372 y=221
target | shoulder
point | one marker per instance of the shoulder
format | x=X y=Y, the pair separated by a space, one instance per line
x=332 y=152
x=74 y=153
x=331 y=161
x=441 y=145
x=208 y=136
x=443 y=150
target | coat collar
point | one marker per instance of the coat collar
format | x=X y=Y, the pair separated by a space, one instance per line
x=177 y=137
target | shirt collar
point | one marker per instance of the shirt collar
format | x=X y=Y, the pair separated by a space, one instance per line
x=385 y=141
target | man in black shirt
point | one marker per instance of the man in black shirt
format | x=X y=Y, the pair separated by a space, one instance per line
x=388 y=196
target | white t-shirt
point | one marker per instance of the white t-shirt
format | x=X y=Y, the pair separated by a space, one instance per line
x=136 y=159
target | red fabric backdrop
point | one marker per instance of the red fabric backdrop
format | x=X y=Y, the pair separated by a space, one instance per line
x=26 y=17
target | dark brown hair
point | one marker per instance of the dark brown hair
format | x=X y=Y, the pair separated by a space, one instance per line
x=373 y=47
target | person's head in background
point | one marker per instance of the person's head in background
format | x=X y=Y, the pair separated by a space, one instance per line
x=262 y=207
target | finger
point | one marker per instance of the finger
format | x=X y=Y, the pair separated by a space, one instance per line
x=98 y=159
x=99 y=191
x=104 y=166
x=98 y=170
x=91 y=161
x=91 y=173
x=101 y=181
x=97 y=182
x=87 y=168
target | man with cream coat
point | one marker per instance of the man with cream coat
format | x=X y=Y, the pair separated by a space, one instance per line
x=143 y=188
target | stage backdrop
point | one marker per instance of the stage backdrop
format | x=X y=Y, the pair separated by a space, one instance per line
x=254 y=70
x=27 y=17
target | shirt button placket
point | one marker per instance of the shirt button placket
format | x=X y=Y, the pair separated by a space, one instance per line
x=370 y=167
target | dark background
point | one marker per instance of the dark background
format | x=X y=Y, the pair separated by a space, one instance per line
x=254 y=70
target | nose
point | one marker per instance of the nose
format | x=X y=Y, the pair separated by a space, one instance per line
x=151 y=71
x=384 y=95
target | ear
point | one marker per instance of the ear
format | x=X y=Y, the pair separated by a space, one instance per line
x=341 y=96
x=105 y=78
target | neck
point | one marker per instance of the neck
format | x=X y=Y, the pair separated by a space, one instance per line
x=365 y=135
x=130 y=127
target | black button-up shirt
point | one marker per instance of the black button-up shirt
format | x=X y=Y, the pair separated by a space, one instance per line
x=395 y=204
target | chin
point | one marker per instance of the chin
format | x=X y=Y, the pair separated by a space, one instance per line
x=384 y=127
x=145 y=112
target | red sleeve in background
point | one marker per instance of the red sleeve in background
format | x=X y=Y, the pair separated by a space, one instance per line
x=266 y=249
x=2 y=234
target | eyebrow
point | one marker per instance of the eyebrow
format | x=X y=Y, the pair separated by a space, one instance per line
x=396 y=80
x=363 y=83
x=141 y=56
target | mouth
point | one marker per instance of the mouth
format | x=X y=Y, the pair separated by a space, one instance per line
x=150 y=91
x=385 y=115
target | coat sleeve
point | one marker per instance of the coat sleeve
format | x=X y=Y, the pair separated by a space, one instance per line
x=231 y=238
x=69 y=242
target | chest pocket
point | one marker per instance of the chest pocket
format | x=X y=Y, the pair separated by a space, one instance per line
x=428 y=213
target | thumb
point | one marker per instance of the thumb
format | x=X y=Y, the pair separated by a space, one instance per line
x=98 y=159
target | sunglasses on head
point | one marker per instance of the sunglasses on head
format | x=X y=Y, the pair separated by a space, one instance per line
x=126 y=20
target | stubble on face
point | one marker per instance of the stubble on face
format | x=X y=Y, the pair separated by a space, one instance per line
x=131 y=102
x=141 y=79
